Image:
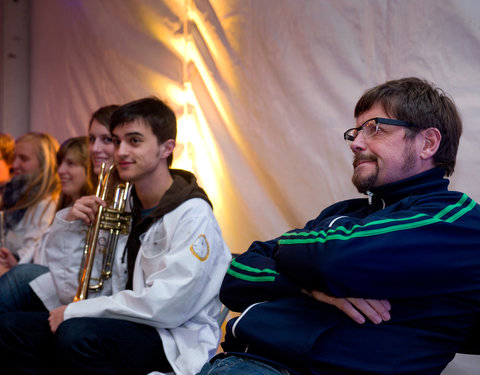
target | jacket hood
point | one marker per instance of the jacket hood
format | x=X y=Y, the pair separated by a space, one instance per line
x=183 y=188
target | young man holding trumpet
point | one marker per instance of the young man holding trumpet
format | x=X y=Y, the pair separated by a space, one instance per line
x=175 y=258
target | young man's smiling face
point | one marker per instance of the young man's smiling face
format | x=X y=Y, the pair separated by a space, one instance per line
x=138 y=154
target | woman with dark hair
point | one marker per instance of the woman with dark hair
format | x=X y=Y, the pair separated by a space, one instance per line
x=73 y=165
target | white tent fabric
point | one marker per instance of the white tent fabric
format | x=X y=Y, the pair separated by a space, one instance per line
x=263 y=89
x=273 y=86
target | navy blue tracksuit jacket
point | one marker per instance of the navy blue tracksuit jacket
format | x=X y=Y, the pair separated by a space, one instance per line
x=416 y=244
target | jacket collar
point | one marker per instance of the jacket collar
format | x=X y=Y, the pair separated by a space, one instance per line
x=427 y=182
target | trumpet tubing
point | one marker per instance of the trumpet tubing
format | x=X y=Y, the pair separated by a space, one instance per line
x=113 y=221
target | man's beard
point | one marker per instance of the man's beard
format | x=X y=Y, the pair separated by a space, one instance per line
x=364 y=183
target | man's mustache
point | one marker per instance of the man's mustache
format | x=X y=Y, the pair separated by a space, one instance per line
x=363 y=157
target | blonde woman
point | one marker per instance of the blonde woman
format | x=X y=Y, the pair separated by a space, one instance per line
x=30 y=198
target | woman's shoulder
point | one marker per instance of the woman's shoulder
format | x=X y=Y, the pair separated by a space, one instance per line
x=43 y=210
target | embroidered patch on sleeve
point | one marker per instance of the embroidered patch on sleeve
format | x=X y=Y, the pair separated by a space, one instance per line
x=200 y=247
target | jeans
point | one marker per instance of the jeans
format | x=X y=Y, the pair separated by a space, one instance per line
x=109 y=346
x=15 y=291
x=233 y=365
x=79 y=346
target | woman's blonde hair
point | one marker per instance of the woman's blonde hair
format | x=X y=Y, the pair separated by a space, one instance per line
x=45 y=182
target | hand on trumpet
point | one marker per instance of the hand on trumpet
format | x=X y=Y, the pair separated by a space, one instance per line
x=85 y=209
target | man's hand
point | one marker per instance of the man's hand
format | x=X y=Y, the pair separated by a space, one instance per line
x=56 y=317
x=7 y=260
x=376 y=311
x=85 y=209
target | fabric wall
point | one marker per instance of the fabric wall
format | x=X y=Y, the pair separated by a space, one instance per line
x=263 y=89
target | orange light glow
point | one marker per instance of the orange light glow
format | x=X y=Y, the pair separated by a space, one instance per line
x=196 y=149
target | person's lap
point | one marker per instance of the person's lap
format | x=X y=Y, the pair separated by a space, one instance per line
x=25 y=339
x=109 y=346
x=80 y=345
x=15 y=291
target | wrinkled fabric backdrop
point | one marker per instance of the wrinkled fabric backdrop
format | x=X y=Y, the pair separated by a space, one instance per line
x=263 y=89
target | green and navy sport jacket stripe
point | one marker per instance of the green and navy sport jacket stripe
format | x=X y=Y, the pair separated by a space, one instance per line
x=448 y=214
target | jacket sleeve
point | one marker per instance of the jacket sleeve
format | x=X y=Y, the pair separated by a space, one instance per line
x=408 y=253
x=31 y=228
x=179 y=269
x=253 y=277
x=44 y=288
x=63 y=249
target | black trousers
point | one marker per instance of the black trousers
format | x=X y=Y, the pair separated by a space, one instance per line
x=80 y=346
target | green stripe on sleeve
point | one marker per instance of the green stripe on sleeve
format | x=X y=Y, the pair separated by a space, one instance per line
x=250 y=278
x=251 y=269
x=334 y=234
x=462 y=212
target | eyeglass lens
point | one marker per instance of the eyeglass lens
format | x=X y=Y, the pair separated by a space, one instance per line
x=369 y=129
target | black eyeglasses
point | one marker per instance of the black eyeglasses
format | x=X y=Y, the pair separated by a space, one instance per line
x=370 y=128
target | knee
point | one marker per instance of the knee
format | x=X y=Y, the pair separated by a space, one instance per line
x=25 y=272
x=71 y=332
x=76 y=344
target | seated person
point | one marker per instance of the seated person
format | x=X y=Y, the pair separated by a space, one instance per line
x=407 y=256
x=164 y=318
x=29 y=199
x=72 y=163
x=77 y=160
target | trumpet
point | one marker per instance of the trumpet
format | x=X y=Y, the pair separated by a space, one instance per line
x=115 y=221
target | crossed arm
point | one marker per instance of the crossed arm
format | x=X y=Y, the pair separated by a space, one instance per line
x=253 y=276
x=358 y=309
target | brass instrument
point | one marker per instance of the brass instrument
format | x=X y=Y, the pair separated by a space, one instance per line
x=112 y=219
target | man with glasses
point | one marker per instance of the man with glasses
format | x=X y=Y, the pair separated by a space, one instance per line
x=384 y=285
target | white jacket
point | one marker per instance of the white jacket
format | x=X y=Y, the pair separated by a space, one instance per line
x=61 y=250
x=22 y=239
x=178 y=272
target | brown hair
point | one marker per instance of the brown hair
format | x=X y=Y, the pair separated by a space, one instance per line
x=423 y=104
x=103 y=117
x=154 y=113
x=78 y=145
